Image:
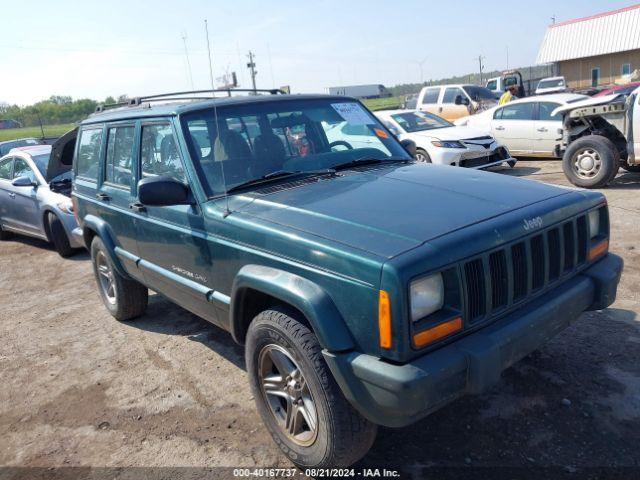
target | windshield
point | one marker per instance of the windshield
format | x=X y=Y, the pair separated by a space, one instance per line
x=419 y=121
x=259 y=138
x=558 y=82
x=478 y=94
x=41 y=162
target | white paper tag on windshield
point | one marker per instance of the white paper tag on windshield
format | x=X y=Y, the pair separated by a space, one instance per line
x=353 y=113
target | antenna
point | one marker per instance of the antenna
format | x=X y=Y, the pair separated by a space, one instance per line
x=206 y=30
x=186 y=54
x=215 y=116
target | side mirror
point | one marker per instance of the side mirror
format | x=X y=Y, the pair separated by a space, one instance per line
x=24 y=182
x=162 y=191
x=409 y=146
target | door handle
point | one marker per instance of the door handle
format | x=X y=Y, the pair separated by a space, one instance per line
x=103 y=196
x=542 y=129
x=137 y=207
x=499 y=128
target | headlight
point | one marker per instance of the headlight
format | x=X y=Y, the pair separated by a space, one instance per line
x=66 y=207
x=594 y=223
x=427 y=296
x=447 y=144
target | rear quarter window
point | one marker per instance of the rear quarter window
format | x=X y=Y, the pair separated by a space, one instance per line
x=431 y=95
x=5 y=169
x=88 y=160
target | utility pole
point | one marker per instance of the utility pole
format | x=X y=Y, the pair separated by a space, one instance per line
x=206 y=29
x=480 y=58
x=186 y=54
x=252 y=67
x=421 y=64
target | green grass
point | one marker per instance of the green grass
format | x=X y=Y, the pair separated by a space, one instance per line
x=374 y=104
x=49 y=131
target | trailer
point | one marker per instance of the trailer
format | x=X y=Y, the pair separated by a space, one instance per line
x=360 y=91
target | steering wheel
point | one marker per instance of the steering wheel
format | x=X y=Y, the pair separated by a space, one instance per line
x=340 y=142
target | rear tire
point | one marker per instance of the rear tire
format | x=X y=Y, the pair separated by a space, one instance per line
x=58 y=236
x=284 y=358
x=422 y=156
x=591 y=161
x=125 y=298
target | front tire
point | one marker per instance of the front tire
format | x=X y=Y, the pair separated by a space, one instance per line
x=591 y=161
x=297 y=397
x=124 y=298
x=58 y=236
x=422 y=156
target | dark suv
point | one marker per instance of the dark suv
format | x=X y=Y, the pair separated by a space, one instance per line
x=367 y=289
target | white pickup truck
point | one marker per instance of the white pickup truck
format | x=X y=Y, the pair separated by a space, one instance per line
x=600 y=135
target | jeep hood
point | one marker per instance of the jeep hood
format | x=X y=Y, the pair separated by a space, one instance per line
x=61 y=159
x=387 y=211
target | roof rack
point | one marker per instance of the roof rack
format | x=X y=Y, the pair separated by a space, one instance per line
x=136 y=101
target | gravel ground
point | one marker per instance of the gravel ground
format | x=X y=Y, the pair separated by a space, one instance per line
x=170 y=390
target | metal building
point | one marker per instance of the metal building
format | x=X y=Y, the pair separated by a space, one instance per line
x=594 y=50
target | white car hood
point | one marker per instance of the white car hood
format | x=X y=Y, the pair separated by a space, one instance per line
x=589 y=102
x=452 y=133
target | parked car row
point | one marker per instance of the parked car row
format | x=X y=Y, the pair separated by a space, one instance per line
x=366 y=288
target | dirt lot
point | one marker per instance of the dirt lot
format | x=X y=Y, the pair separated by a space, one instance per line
x=79 y=388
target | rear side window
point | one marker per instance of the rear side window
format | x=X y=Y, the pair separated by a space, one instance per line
x=119 y=155
x=5 y=169
x=518 y=111
x=89 y=153
x=159 y=153
x=545 y=109
x=431 y=95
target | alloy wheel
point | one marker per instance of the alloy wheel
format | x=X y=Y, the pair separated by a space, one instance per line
x=287 y=394
x=106 y=277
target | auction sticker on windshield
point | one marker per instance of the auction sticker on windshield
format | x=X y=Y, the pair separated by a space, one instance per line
x=353 y=113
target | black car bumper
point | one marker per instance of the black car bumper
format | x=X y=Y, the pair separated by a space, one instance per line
x=397 y=395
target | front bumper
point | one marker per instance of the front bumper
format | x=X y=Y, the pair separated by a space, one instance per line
x=396 y=395
x=70 y=226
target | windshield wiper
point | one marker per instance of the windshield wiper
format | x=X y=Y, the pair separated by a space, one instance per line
x=278 y=174
x=367 y=161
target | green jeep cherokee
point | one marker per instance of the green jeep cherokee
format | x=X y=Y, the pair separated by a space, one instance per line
x=367 y=289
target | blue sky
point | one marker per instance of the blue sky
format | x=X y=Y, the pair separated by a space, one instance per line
x=97 y=48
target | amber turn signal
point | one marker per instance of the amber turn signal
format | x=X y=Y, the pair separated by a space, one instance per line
x=384 y=319
x=441 y=330
x=598 y=249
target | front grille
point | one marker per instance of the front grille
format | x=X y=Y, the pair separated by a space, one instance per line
x=515 y=272
x=498 y=154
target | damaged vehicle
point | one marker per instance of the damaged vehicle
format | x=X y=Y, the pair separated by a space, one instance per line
x=367 y=289
x=600 y=136
x=443 y=143
x=35 y=195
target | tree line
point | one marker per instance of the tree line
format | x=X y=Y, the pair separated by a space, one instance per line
x=57 y=109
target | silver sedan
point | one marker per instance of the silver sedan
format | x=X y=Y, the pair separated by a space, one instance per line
x=33 y=205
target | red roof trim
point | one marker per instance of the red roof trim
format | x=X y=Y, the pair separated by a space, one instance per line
x=597 y=15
